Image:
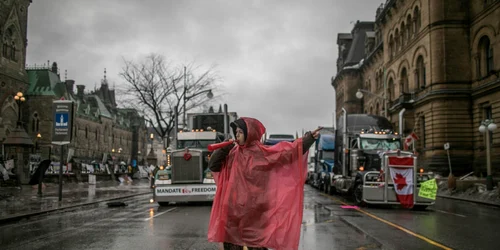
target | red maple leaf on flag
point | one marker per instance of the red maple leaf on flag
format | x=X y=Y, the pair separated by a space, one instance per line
x=400 y=181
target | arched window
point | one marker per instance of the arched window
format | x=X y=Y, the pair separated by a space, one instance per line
x=403 y=85
x=416 y=20
x=13 y=52
x=396 y=40
x=7 y=40
x=35 y=123
x=409 y=31
x=403 y=34
x=86 y=132
x=390 y=90
x=371 y=110
x=391 y=46
x=485 y=56
x=420 y=73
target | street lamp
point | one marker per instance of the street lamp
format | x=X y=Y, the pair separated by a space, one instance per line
x=488 y=126
x=359 y=95
x=19 y=97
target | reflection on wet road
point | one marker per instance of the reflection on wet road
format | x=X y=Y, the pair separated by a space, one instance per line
x=326 y=225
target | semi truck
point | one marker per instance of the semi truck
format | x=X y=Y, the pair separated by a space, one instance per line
x=323 y=160
x=365 y=147
x=186 y=176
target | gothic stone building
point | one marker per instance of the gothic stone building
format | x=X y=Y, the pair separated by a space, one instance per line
x=101 y=132
x=440 y=61
x=13 y=77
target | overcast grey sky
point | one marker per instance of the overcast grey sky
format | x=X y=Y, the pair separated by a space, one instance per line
x=276 y=58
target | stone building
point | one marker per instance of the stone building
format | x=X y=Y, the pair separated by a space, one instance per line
x=13 y=77
x=102 y=132
x=439 y=60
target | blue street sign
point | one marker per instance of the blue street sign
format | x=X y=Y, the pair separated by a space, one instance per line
x=62 y=122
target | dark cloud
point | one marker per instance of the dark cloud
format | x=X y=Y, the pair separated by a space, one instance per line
x=276 y=57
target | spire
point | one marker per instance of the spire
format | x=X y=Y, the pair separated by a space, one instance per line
x=65 y=74
x=104 y=74
x=220 y=108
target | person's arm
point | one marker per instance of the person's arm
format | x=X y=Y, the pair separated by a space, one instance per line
x=307 y=142
x=218 y=158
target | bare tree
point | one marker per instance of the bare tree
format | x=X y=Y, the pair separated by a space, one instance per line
x=158 y=90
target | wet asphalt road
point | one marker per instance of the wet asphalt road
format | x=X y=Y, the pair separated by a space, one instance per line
x=140 y=225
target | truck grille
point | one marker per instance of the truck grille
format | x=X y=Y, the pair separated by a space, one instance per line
x=186 y=171
x=373 y=162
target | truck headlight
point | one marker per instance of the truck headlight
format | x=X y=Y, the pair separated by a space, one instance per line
x=208 y=175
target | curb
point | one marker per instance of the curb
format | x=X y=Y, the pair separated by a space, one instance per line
x=27 y=215
x=468 y=200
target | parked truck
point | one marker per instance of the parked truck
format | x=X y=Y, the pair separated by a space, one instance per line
x=186 y=176
x=323 y=160
x=366 y=146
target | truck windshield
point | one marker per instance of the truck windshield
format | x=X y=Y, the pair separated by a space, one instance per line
x=384 y=144
x=203 y=144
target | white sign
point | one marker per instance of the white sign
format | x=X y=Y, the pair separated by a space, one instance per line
x=182 y=190
x=446 y=146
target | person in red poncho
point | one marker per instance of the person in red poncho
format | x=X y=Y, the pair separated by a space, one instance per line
x=260 y=189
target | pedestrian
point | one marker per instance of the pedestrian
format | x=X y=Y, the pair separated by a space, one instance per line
x=260 y=189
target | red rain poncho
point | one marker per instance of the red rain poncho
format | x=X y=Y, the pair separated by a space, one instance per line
x=260 y=193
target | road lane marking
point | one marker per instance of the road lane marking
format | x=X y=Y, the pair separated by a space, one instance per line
x=172 y=209
x=392 y=224
x=444 y=212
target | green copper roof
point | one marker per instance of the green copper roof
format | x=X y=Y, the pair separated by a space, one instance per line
x=45 y=82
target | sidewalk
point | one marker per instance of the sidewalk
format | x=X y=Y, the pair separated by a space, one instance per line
x=476 y=193
x=16 y=203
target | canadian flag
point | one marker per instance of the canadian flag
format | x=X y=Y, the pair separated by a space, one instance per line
x=409 y=140
x=401 y=169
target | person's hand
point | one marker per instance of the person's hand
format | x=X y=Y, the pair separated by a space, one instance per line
x=315 y=133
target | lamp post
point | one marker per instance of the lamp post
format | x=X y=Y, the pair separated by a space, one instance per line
x=19 y=97
x=210 y=95
x=40 y=176
x=38 y=137
x=359 y=95
x=488 y=126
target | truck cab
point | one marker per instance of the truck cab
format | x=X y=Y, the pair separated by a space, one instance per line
x=186 y=176
x=364 y=143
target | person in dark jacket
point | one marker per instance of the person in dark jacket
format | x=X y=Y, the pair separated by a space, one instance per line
x=218 y=158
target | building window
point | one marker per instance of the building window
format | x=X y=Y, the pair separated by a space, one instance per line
x=391 y=47
x=397 y=38
x=420 y=73
x=403 y=86
x=488 y=114
x=408 y=27
x=403 y=34
x=485 y=56
x=86 y=133
x=35 y=123
x=390 y=90
x=416 y=20
x=422 y=131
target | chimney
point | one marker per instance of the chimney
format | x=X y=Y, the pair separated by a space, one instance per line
x=54 y=67
x=69 y=86
x=80 y=89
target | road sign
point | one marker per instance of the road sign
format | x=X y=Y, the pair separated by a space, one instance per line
x=446 y=146
x=62 y=112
